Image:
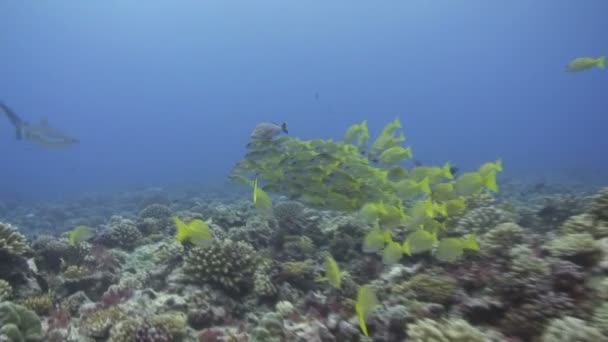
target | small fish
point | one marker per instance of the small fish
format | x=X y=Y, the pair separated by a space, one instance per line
x=196 y=232
x=374 y=240
x=472 y=183
x=394 y=155
x=366 y=302
x=332 y=273
x=268 y=130
x=392 y=253
x=79 y=234
x=419 y=241
x=261 y=199
x=451 y=249
x=585 y=63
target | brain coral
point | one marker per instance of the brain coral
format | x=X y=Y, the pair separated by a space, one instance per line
x=227 y=264
x=11 y=241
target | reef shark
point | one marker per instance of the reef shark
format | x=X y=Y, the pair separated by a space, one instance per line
x=40 y=133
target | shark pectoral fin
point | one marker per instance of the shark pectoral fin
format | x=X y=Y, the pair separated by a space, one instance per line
x=18 y=134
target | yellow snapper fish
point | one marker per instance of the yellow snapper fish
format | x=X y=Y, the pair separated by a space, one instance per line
x=419 y=241
x=451 y=249
x=360 y=133
x=332 y=273
x=375 y=240
x=585 y=63
x=366 y=302
x=392 y=253
x=394 y=155
x=262 y=201
x=196 y=232
x=79 y=234
x=472 y=183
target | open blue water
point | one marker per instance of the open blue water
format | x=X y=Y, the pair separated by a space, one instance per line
x=168 y=91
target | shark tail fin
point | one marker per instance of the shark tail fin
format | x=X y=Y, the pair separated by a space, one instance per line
x=284 y=127
x=12 y=116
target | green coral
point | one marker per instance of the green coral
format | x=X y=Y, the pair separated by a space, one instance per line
x=262 y=282
x=298 y=247
x=450 y=330
x=434 y=288
x=269 y=329
x=173 y=324
x=298 y=272
x=98 y=323
x=18 y=324
x=580 y=248
x=41 y=304
x=225 y=263
x=6 y=290
x=571 y=329
x=11 y=241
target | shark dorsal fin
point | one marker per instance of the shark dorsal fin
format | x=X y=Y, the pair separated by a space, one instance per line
x=44 y=121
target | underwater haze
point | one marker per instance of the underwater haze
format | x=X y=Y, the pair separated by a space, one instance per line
x=160 y=92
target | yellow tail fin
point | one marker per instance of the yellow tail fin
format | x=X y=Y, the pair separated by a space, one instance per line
x=490 y=182
x=601 y=62
x=181 y=228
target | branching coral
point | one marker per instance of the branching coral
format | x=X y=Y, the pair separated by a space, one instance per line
x=227 y=264
x=41 y=304
x=11 y=241
x=98 y=323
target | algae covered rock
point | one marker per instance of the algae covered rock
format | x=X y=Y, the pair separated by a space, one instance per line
x=18 y=324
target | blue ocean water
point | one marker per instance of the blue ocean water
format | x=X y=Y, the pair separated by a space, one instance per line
x=168 y=91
